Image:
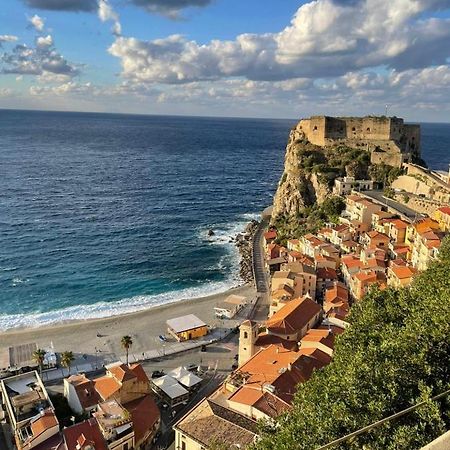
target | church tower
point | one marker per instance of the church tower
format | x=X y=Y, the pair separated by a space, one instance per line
x=248 y=333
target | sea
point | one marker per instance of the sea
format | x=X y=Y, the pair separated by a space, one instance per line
x=104 y=214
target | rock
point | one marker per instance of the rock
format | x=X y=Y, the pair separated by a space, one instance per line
x=211 y=233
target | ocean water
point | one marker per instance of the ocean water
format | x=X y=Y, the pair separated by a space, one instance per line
x=102 y=214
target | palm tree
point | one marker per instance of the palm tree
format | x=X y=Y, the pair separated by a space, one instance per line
x=126 y=342
x=66 y=360
x=39 y=356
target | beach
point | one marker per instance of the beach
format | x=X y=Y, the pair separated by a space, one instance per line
x=84 y=337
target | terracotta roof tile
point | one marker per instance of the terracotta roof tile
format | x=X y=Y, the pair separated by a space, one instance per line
x=106 y=386
x=89 y=429
x=144 y=414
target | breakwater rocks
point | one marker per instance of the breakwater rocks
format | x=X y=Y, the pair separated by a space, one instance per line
x=244 y=243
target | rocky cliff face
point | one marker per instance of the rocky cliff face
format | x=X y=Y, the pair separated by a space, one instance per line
x=298 y=187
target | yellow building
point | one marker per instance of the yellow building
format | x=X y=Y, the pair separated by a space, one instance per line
x=418 y=227
x=187 y=327
x=442 y=216
x=400 y=276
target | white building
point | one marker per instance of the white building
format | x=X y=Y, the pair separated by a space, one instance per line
x=344 y=186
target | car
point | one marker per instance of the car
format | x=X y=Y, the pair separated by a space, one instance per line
x=162 y=338
x=203 y=348
x=157 y=373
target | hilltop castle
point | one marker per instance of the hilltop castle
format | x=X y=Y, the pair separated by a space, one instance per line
x=388 y=139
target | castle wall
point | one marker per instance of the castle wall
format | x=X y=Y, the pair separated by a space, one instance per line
x=387 y=138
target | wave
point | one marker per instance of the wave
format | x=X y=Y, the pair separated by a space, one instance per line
x=223 y=235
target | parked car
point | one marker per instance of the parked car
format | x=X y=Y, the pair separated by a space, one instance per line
x=157 y=373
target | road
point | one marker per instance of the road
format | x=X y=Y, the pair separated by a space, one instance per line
x=258 y=258
x=398 y=207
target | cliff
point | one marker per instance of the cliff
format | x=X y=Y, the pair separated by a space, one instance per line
x=321 y=149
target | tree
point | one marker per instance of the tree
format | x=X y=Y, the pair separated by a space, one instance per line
x=126 y=343
x=66 y=360
x=38 y=357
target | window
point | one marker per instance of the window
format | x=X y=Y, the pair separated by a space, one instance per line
x=125 y=446
x=245 y=335
x=183 y=445
x=315 y=128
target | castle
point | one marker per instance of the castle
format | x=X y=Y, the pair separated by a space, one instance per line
x=388 y=139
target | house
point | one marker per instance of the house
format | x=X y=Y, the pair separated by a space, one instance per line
x=339 y=234
x=345 y=185
x=116 y=425
x=293 y=245
x=350 y=246
x=269 y=237
x=360 y=209
x=360 y=282
x=379 y=218
x=209 y=423
x=123 y=383
x=374 y=239
x=400 y=276
x=336 y=301
x=30 y=411
x=300 y=277
x=418 y=227
x=350 y=265
x=425 y=248
x=397 y=230
x=85 y=435
x=294 y=319
x=310 y=244
x=357 y=228
x=325 y=276
x=442 y=216
x=230 y=306
x=326 y=262
x=80 y=394
x=186 y=327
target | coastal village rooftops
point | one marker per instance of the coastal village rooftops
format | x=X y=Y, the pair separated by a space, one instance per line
x=325 y=273
x=293 y=316
x=144 y=415
x=337 y=291
x=403 y=272
x=264 y=340
x=44 y=422
x=270 y=235
x=84 y=434
x=85 y=389
x=209 y=423
x=106 y=386
x=399 y=224
x=283 y=291
x=444 y=209
x=297 y=267
x=262 y=400
x=185 y=323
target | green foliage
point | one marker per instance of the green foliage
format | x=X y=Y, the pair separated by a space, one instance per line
x=309 y=219
x=389 y=192
x=384 y=174
x=395 y=354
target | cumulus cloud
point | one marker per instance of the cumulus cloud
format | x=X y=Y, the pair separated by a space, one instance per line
x=63 y=5
x=7 y=38
x=170 y=8
x=37 y=22
x=44 y=41
x=324 y=39
x=107 y=13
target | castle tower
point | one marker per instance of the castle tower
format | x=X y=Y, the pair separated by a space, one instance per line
x=248 y=333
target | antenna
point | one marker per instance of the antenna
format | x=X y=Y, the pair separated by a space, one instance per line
x=386 y=110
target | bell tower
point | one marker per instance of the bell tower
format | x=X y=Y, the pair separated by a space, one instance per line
x=248 y=333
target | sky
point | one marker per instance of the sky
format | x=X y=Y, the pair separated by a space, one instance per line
x=242 y=58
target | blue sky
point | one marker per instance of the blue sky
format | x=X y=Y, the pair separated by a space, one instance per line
x=227 y=57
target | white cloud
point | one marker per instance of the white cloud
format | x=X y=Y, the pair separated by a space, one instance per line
x=37 y=22
x=7 y=38
x=324 y=39
x=43 y=42
x=107 y=13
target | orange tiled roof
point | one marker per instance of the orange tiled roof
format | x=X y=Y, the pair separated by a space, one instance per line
x=445 y=210
x=121 y=373
x=292 y=317
x=85 y=389
x=89 y=430
x=399 y=224
x=272 y=234
x=402 y=272
x=44 y=422
x=139 y=372
x=106 y=386
x=144 y=414
x=326 y=273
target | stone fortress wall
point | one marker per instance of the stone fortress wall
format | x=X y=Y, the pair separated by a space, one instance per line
x=388 y=139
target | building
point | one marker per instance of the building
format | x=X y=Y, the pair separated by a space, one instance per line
x=360 y=209
x=230 y=306
x=116 y=425
x=80 y=393
x=187 y=327
x=397 y=230
x=374 y=239
x=400 y=276
x=248 y=334
x=29 y=409
x=294 y=319
x=84 y=436
x=345 y=185
x=425 y=248
x=123 y=383
x=388 y=139
x=325 y=276
x=210 y=424
x=442 y=216
x=187 y=379
x=336 y=301
x=360 y=282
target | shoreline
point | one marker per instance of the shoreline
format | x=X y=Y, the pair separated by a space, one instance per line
x=104 y=334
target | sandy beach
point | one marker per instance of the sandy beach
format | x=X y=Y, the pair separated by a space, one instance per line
x=105 y=334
